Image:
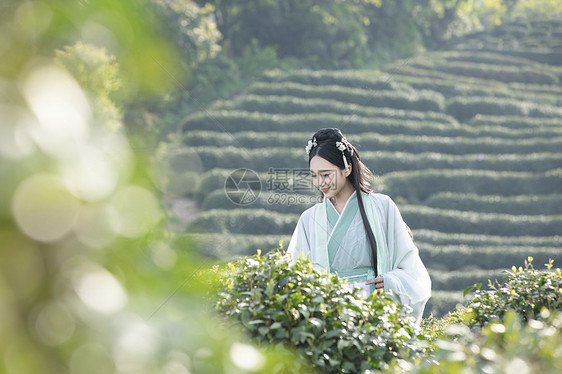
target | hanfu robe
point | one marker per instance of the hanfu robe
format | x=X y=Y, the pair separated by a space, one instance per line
x=338 y=243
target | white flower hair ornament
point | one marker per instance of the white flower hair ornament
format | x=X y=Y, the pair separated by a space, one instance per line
x=311 y=144
x=342 y=147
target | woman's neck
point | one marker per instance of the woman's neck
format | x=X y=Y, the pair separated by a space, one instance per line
x=341 y=198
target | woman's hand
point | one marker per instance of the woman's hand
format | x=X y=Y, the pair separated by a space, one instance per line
x=378 y=281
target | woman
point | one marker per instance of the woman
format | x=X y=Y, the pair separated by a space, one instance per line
x=358 y=234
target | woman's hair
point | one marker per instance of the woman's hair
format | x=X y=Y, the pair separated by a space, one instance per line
x=326 y=148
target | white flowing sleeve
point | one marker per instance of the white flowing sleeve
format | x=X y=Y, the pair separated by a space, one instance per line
x=300 y=241
x=407 y=276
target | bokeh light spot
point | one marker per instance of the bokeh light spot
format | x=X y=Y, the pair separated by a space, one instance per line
x=62 y=110
x=54 y=324
x=101 y=291
x=97 y=34
x=163 y=256
x=94 y=226
x=246 y=357
x=15 y=142
x=43 y=208
x=116 y=147
x=135 y=345
x=178 y=363
x=137 y=211
x=90 y=175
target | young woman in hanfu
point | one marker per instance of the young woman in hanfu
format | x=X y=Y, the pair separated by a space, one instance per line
x=358 y=234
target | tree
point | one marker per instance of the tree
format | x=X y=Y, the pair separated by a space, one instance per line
x=192 y=28
x=97 y=72
x=392 y=31
x=323 y=33
x=440 y=20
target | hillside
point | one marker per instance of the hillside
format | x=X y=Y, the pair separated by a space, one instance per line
x=467 y=141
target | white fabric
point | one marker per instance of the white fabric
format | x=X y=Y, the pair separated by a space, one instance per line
x=397 y=255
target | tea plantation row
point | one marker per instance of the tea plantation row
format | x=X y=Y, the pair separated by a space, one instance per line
x=418 y=185
x=249 y=221
x=373 y=141
x=262 y=159
x=242 y=121
x=286 y=201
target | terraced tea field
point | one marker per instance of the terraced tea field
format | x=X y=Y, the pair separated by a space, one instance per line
x=467 y=141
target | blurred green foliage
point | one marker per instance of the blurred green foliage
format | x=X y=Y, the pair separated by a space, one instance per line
x=191 y=29
x=97 y=73
x=91 y=279
x=504 y=346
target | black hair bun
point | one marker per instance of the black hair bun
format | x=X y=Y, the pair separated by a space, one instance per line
x=328 y=134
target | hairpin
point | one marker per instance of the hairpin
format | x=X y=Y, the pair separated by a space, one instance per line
x=342 y=147
x=311 y=144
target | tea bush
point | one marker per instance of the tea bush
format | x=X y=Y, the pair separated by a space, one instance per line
x=262 y=159
x=349 y=78
x=450 y=87
x=209 y=181
x=525 y=290
x=408 y=71
x=376 y=141
x=514 y=122
x=508 y=346
x=241 y=121
x=226 y=247
x=480 y=57
x=277 y=301
x=446 y=87
x=419 y=185
x=438 y=238
x=456 y=257
x=512 y=327
x=465 y=107
x=550 y=204
x=414 y=100
x=531 y=75
x=537 y=88
x=448 y=220
x=280 y=301
x=454 y=280
x=243 y=221
x=293 y=105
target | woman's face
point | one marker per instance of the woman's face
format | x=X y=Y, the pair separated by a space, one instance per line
x=327 y=177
